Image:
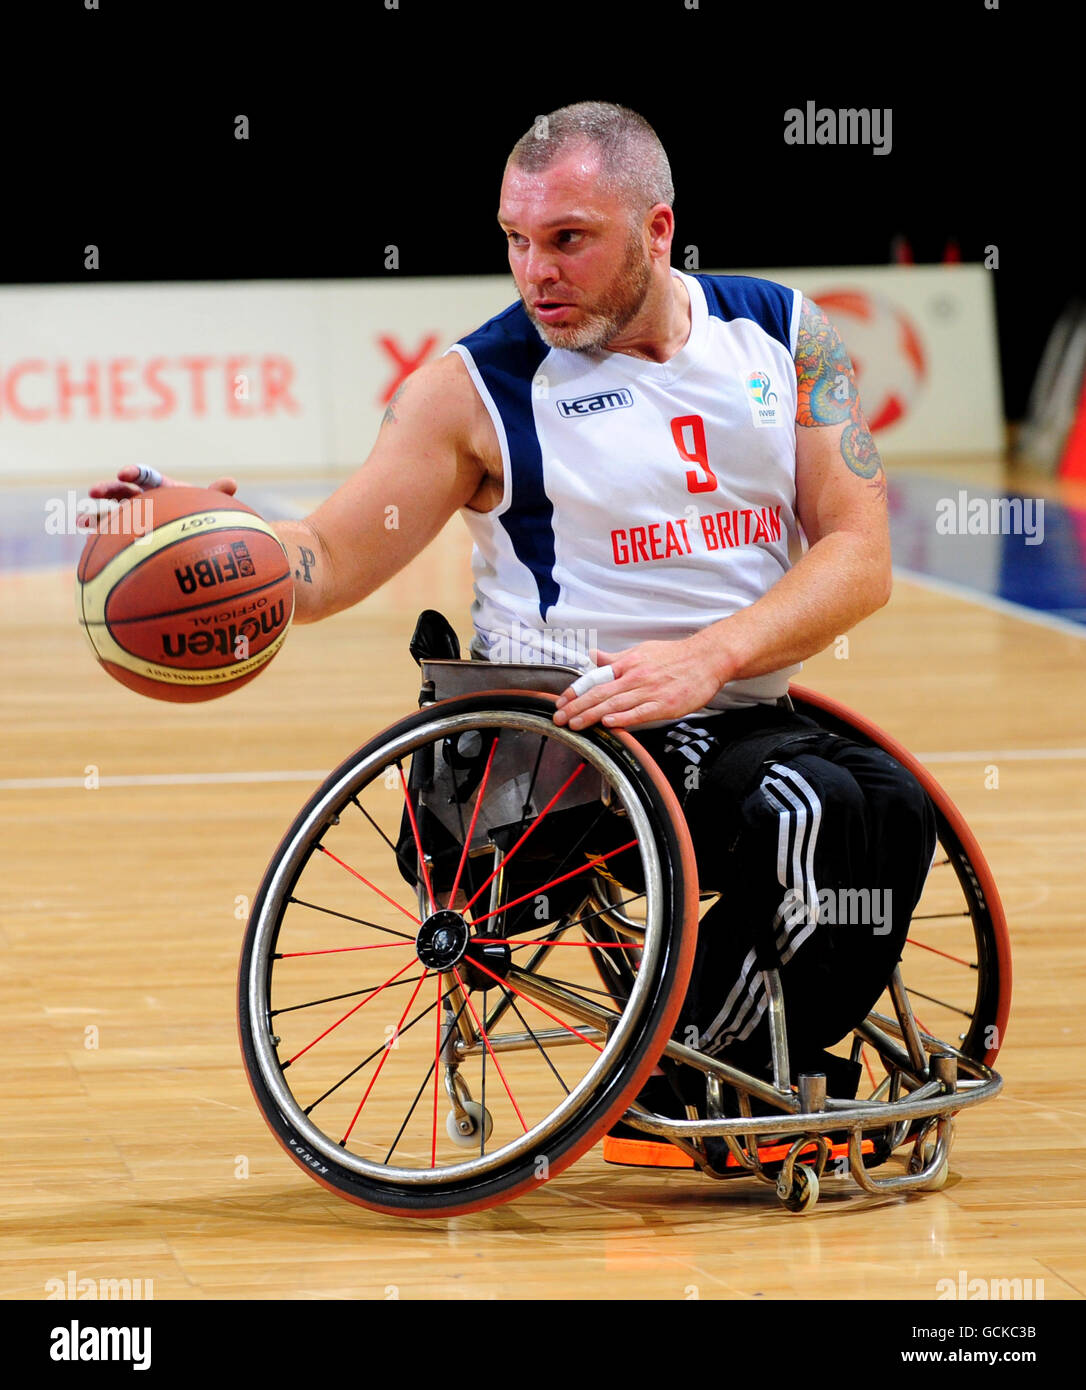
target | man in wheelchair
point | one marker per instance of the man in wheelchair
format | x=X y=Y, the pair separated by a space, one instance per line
x=674 y=468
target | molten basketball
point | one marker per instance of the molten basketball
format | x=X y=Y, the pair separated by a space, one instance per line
x=184 y=594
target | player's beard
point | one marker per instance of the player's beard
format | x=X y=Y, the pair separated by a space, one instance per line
x=615 y=308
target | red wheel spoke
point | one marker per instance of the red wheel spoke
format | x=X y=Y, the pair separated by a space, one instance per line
x=551 y=883
x=335 y=950
x=356 y=1008
x=418 y=841
x=437 y=1067
x=533 y=827
x=506 y=985
x=471 y=827
x=591 y=945
x=388 y=1048
x=945 y=954
x=486 y=1040
x=867 y=1064
x=417 y=920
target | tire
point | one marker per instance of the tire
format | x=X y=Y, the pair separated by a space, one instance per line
x=327 y=937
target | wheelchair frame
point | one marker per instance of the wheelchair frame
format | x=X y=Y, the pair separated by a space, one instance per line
x=928 y=1081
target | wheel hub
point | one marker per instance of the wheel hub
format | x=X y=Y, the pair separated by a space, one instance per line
x=442 y=940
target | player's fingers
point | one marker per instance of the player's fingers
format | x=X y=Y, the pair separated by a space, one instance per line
x=587 y=691
x=616 y=699
x=227 y=485
x=112 y=491
x=599 y=675
x=639 y=714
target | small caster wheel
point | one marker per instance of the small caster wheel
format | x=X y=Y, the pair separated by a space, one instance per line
x=921 y=1160
x=470 y=1138
x=803 y=1193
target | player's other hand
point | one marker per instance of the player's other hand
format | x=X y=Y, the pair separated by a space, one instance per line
x=652 y=681
x=128 y=484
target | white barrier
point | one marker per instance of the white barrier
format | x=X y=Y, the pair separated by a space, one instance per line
x=196 y=379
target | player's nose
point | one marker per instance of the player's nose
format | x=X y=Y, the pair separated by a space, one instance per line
x=540 y=267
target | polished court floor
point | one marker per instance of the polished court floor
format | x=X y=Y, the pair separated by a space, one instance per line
x=135 y=832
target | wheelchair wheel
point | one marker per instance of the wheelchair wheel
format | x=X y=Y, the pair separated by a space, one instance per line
x=956 y=964
x=421 y=1022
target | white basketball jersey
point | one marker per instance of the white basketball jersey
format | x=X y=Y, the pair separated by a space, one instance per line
x=641 y=500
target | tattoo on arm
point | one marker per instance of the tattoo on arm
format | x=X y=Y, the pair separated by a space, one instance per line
x=827 y=394
x=308 y=564
x=389 y=416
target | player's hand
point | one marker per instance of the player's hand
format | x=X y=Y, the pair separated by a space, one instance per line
x=654 y=680
x=131 y=480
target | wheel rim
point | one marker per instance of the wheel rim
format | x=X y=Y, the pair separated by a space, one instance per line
x=284 y=935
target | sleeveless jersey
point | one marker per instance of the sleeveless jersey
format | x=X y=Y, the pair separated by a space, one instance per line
x=641 y=500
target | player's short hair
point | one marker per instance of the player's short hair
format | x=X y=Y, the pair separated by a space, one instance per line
x=632 y=160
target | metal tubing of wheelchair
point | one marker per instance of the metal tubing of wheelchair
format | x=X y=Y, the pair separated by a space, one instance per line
x=902 y=1181
x=858 y=1117
x=812 y=1091
x=523 y=1042
x=883 y=1043
x=904 y=1009
x=593 y=1013
x=935 y=1046
x=614 y=917
x=455 y=1003
x=497 y=884
x=778 y=1033
x=741 y=1080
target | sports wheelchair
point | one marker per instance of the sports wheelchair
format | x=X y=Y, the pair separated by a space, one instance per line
x=470 y=950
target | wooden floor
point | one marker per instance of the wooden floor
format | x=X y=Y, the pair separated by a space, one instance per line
x=133 y=1147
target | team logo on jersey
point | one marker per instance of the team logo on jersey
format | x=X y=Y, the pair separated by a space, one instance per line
x=592 y=405
x=763 y=401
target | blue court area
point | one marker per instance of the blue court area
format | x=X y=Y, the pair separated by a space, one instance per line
x=998 y=545
x=1018 y=549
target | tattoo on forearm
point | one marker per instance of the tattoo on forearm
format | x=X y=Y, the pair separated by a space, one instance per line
x=309 y=561
x=827 y=394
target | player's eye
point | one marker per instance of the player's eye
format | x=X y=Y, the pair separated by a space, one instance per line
x=569 y=237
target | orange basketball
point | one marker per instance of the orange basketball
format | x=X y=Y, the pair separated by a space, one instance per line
x=184 y=594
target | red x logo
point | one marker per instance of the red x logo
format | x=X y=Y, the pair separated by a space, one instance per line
x=405 y=364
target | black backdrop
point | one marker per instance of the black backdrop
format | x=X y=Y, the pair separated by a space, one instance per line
x=372 y=126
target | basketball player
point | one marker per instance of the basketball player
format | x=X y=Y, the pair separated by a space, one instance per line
x=674 y=468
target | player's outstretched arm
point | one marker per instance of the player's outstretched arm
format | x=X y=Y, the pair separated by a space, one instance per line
x=425 y=465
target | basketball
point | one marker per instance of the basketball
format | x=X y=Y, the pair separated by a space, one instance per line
x=184 y=594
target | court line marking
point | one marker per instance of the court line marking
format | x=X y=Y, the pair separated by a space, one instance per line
x=160 y=779
x=1000 y=605
x=316 y=776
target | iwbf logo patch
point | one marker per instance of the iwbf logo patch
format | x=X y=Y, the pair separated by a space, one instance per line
x=764 y=407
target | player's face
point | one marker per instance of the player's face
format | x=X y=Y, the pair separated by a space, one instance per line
x=582 y=270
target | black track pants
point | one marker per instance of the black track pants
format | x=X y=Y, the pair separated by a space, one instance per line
x=819 y=848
